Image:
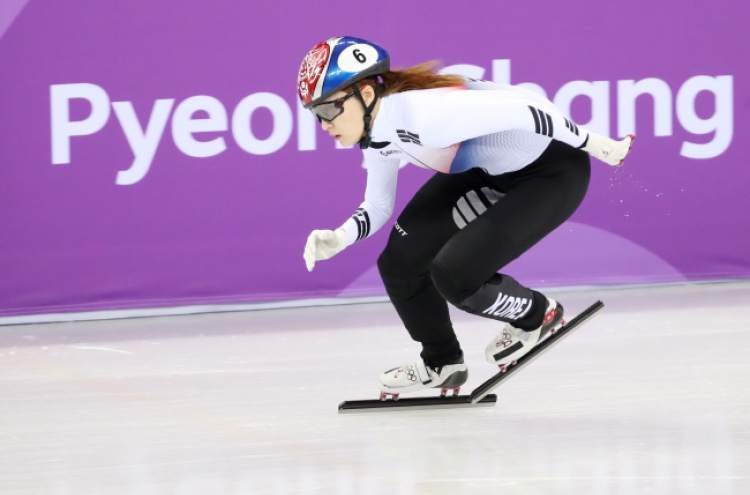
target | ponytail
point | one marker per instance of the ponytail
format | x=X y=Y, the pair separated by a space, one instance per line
x=422 y=76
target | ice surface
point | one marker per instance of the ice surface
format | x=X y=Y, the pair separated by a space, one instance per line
x=652 y=396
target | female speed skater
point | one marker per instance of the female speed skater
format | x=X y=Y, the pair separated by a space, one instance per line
x=511 y=169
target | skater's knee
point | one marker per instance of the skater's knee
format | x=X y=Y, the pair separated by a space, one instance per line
x=401 y=259
x=399 y=277
x=446 y=281
x=389 y=265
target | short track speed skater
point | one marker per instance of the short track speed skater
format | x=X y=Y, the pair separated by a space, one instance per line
x=480 y=397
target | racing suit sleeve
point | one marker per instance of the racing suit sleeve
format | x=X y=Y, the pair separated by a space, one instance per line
x=464 y=115
x=380 y=197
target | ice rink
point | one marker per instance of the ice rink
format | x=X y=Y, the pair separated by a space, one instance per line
x=652 y=396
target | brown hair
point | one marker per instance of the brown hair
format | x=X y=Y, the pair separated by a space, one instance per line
x=422 y=76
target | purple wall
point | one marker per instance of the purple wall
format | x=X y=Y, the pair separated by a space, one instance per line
x=78 y=233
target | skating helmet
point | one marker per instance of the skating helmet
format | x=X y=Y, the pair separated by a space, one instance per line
x=338 y=63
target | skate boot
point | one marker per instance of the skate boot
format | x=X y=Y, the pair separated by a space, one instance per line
x=419 y=376
x=512 y=343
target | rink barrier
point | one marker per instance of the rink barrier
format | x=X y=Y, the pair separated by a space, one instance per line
x=119 y=314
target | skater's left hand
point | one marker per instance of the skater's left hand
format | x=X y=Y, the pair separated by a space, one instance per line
x=323 y=244
x=608 y=150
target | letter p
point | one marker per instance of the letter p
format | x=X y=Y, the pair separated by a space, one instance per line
x=63 y=128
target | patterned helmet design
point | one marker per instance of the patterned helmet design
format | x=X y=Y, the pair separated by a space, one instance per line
x=337 y=63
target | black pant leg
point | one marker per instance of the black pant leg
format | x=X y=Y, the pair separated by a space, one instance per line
x=424 y=227
x=538 y=199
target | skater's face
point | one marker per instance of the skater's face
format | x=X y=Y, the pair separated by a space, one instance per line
x=348 y=126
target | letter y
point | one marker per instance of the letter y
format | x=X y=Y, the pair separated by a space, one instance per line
x=143 y=144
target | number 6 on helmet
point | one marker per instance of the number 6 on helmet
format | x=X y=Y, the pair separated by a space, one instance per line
x=337 y=63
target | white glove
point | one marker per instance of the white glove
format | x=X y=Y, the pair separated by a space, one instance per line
x=608 y=150
x=324 y=244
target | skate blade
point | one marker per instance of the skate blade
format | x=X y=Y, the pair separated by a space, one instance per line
x=481 y=396
x=506 y=372
x=415 y=403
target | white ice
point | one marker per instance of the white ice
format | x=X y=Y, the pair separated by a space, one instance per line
x=652 y=396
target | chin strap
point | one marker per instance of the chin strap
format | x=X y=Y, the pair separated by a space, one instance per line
x=366 y=140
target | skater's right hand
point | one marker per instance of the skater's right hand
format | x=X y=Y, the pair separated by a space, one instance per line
x=324 y=244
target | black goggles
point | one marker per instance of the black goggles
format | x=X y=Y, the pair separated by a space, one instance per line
x=329 y=110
